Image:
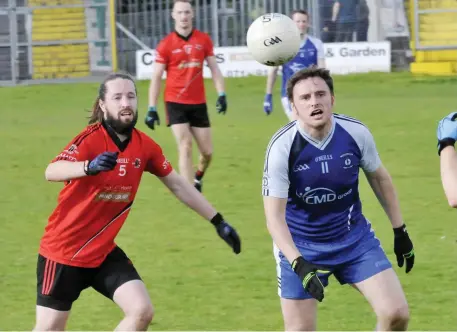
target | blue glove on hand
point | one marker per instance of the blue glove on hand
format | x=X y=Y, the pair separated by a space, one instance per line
x=152 y=117
x=447 y=131
x=268 y=103
x=105 y=161
x=227 y=233
x=221 y=104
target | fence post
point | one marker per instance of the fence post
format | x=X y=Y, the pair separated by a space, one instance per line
x=13 y=39
x=112 y=16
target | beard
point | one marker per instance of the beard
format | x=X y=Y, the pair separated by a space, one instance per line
x=119 y=126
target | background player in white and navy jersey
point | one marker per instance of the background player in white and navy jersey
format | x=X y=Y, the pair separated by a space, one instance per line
x=311 y=53
x=314 y=213
x=447 y=135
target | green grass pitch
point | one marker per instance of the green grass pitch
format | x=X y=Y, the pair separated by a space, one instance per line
x=195 y=281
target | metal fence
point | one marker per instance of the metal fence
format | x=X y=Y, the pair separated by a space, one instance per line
x=143 y=23
x=67 y=40
x=435 y=24
x=54 y=40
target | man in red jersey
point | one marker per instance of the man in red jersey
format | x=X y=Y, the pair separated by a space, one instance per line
x=182 y=54
x=102 y=168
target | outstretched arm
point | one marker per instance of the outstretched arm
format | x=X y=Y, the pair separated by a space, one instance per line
x=187 y=194
x=448 y=168
x=61 y=171
x=191 y=197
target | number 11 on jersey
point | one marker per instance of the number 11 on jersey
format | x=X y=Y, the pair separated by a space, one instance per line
x=324 y=167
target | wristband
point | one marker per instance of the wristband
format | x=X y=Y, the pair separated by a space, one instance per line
x=86 y=167
x=444 y=143
x=217 y=219
x=400 y=230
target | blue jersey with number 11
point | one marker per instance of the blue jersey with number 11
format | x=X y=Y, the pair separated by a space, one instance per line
x=311 y=50
x=320 y=181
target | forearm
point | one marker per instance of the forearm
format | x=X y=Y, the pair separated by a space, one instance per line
x=192 y=198
x=61 y=171
x=271 y=79
x=387 y=196
x=154 y=90
x=448 y=167
x=281 y=236
x=218 y=80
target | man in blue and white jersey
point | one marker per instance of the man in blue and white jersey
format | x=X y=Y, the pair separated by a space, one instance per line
x=314 y=213
x=311 y=53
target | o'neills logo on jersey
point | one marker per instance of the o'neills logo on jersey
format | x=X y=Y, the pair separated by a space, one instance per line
x=189 y=64
x=110 y=196
x=123 y=160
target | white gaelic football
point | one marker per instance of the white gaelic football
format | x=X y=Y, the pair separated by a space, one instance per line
x=273 y=39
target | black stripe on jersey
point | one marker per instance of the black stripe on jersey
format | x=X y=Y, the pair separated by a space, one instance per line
x=128 y=206
x=348 y=118
x=78 y=140
x=297 y=147
x=280 y=132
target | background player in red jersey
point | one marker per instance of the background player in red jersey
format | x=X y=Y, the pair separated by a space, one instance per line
x=182 y=54
x=102 y=168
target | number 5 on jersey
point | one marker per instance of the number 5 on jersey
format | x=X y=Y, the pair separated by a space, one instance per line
x=122 y=170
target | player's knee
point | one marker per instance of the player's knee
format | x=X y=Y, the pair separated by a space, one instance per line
x=50 y=320
x=396 y=317
x=49 y=325
x=142 y=313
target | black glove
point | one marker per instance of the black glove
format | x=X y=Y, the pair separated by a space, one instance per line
x=221 y=104
x=105 y=161
x=152 y=117
x=227 y=233
x=403 y=248
x=307 y=274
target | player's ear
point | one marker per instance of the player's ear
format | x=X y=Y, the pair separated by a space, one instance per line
x=101 y=104
x=294 y=109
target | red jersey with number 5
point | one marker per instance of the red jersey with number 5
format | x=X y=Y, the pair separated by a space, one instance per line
x=91 y=210
x=184 y=59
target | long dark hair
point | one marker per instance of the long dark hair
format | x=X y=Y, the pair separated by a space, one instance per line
x=97 y=113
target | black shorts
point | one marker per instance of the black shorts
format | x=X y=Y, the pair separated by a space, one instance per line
x=196 y=115
x=59 y=285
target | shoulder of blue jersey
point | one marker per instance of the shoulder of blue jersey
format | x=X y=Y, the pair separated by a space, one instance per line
x=343 y=117
x=276 y=137
x=280 y=133
x=315 y=40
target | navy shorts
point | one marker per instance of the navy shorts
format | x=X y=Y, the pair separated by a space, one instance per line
x=360 y=267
